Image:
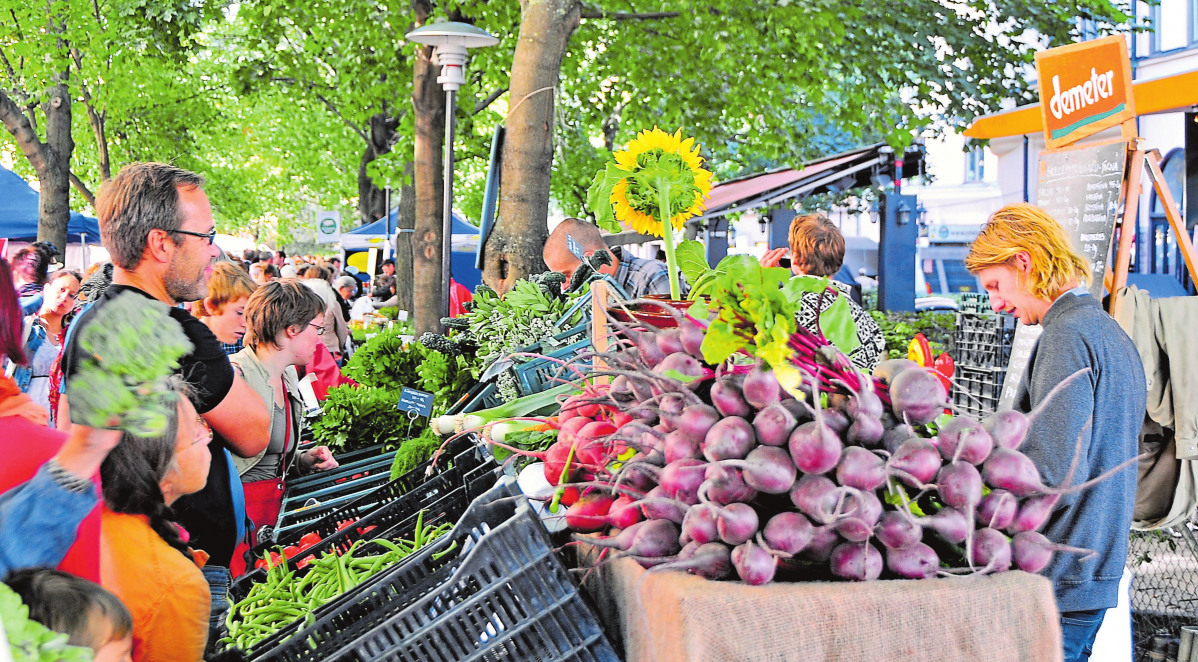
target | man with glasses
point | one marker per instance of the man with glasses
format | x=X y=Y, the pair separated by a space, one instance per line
x=156 y=223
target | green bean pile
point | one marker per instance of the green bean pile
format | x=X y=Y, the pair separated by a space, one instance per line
x=283 y=598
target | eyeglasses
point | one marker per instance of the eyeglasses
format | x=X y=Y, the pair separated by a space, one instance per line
x=209 y=235
x=319 y=329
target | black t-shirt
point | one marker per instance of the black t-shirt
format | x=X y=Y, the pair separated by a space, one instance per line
x=208 y=515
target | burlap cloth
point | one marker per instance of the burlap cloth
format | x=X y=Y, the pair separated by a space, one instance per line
x=674 y=616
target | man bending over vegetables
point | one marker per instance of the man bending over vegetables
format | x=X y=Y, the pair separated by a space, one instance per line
x=156 y=223
x=637 y=276
x=1024 y=260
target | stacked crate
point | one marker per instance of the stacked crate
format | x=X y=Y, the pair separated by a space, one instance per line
x=983 y=348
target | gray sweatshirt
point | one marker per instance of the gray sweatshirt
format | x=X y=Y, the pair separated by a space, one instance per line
x=1079 y=334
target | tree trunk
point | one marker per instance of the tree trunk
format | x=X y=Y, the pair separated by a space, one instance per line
x=514 y=248
x=54 y=200
x=372 y=200
x=406 y=214
x=428 y=101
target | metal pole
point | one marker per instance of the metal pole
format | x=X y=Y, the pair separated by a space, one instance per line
x=447 y=211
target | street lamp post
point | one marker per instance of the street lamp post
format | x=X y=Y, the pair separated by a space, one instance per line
x=451 y=41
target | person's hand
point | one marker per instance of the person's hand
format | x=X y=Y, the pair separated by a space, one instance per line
x=86 y=448
x=320 y=459
x=773 y=257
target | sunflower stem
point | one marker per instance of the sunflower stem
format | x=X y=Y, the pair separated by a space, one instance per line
x=667 y=234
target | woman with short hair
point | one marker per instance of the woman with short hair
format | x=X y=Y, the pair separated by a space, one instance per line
x=223 y=309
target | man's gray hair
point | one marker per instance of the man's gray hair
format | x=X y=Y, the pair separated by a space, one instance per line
x=142 y=197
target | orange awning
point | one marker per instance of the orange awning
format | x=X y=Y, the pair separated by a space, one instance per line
x=1152 y=96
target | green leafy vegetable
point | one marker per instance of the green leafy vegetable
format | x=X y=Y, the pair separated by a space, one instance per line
x=414 y=451
x=131 y=346
x=357 y=417
x=30 y=641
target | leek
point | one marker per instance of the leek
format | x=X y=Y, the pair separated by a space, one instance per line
x=542 y=403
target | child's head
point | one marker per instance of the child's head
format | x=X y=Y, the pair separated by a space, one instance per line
x=86 y=612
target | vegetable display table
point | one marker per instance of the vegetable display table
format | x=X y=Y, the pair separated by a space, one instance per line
x=672 y=616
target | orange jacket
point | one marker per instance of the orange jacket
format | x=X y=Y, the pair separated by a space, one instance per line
x=165 y=592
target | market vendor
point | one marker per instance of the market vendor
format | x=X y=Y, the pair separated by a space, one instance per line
x=637 y=276
x=817 y=251
x=1024 y=260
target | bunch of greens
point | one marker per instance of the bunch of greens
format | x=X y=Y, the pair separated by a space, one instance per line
x=30 y=641
x=414 y=451
x=387 y=362
x=131 y=345
x=535 y=441
x=356 y=417
x=899 y=328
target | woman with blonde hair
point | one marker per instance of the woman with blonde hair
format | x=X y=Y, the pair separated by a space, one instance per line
x=223 y=309
x=1024 y=260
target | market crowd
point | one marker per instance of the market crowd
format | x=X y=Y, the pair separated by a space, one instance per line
x=129 y=544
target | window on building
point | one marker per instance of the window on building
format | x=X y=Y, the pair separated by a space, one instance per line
x=975 y=164
x=1163 y=256
x=1087 y=29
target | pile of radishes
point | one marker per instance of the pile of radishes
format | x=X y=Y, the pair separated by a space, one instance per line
x=724 y=471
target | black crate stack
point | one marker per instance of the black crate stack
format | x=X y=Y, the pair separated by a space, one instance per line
x=983 y=348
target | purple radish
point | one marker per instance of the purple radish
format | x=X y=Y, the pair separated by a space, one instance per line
x=774 y=424
x=963 y=438
x=621 y=390
x=865 y=404
x=949 y=523
x=761 y=388
x=711 y=560
x=1007 y=428
x=691 y=335
x=1033 y=513
x=1012 y=471
x=1032 y=552
x=859 y=561
x=669 y=407
x=679 y=446
x=867 y=431
x=669 y=341
x=766 y=469
x=699 y=523
x=754 y=565
x=896 y=530
x=737 y=523
x=915 y=462
x=690 y=371
x=681 y=480
x=688 y=549
x=861 y=512
x=727 y=398
x=656 y=505
x=917 y=396
x=960 y=486
x=836 y=420
x=886 y=370
x=621 y=541
x=895 y=436
x=861 y=469
x=815 y=496
x=694 y=420
x=646 y=346
x=991 y=550
x=652 y=538
x=917 y=561
x=815 y=448
x=799 y=409
x=724 y=485
x=823 y=540
x=730 y=439
x=788 y=532
x=997 y=509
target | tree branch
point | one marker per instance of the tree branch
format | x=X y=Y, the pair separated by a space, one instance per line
x=83 y=190
x=332 y=108
x=482 y=105
x=18 y=125
x=628 y=16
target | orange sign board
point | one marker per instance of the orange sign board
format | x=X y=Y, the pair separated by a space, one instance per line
x=1084 y=88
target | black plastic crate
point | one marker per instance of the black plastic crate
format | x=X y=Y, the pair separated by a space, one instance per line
x=508 y=598
x=976 y=391
x=983 y=341
x=460 y=461
x=977 y=303
x=347 y=470
x=366 y=606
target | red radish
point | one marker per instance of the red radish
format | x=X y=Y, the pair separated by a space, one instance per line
x=1033 y=513
x=960 y=486
x=815 y=448
x=754 y=565
x=1032 y=552
x=620 y=419
x=596 y=430
x=766 y=469
x=736 y=523
x=589 y=513
x=897 y=531
x=949 y=523
x=569 y=409
x=815 y=496
x=997 y=509
x=727 y=398
x=861 y=469
x=699 y=525
x=917 y=561
x=724 y=485
x=991 y=550
x=917 y=396
x=859 y=561
x=915 y=462
x=679 y=446
x=788 y=532
x=963 y=438
x=624 y=513
x=1007 y=427
x=555 y=463
x=730 y=439
x=761 y=388
x=570 y=428
x=773 y=425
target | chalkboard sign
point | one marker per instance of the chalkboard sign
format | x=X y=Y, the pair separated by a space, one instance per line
x=1021 y=352
x=417 y=402
x=1081 y=189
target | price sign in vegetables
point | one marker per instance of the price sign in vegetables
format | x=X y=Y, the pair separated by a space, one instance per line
x=415 y=401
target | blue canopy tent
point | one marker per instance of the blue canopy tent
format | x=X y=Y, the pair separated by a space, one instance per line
x=380 y=234
x=18 y=214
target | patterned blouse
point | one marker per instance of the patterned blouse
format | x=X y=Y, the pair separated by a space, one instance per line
x=872 y=349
